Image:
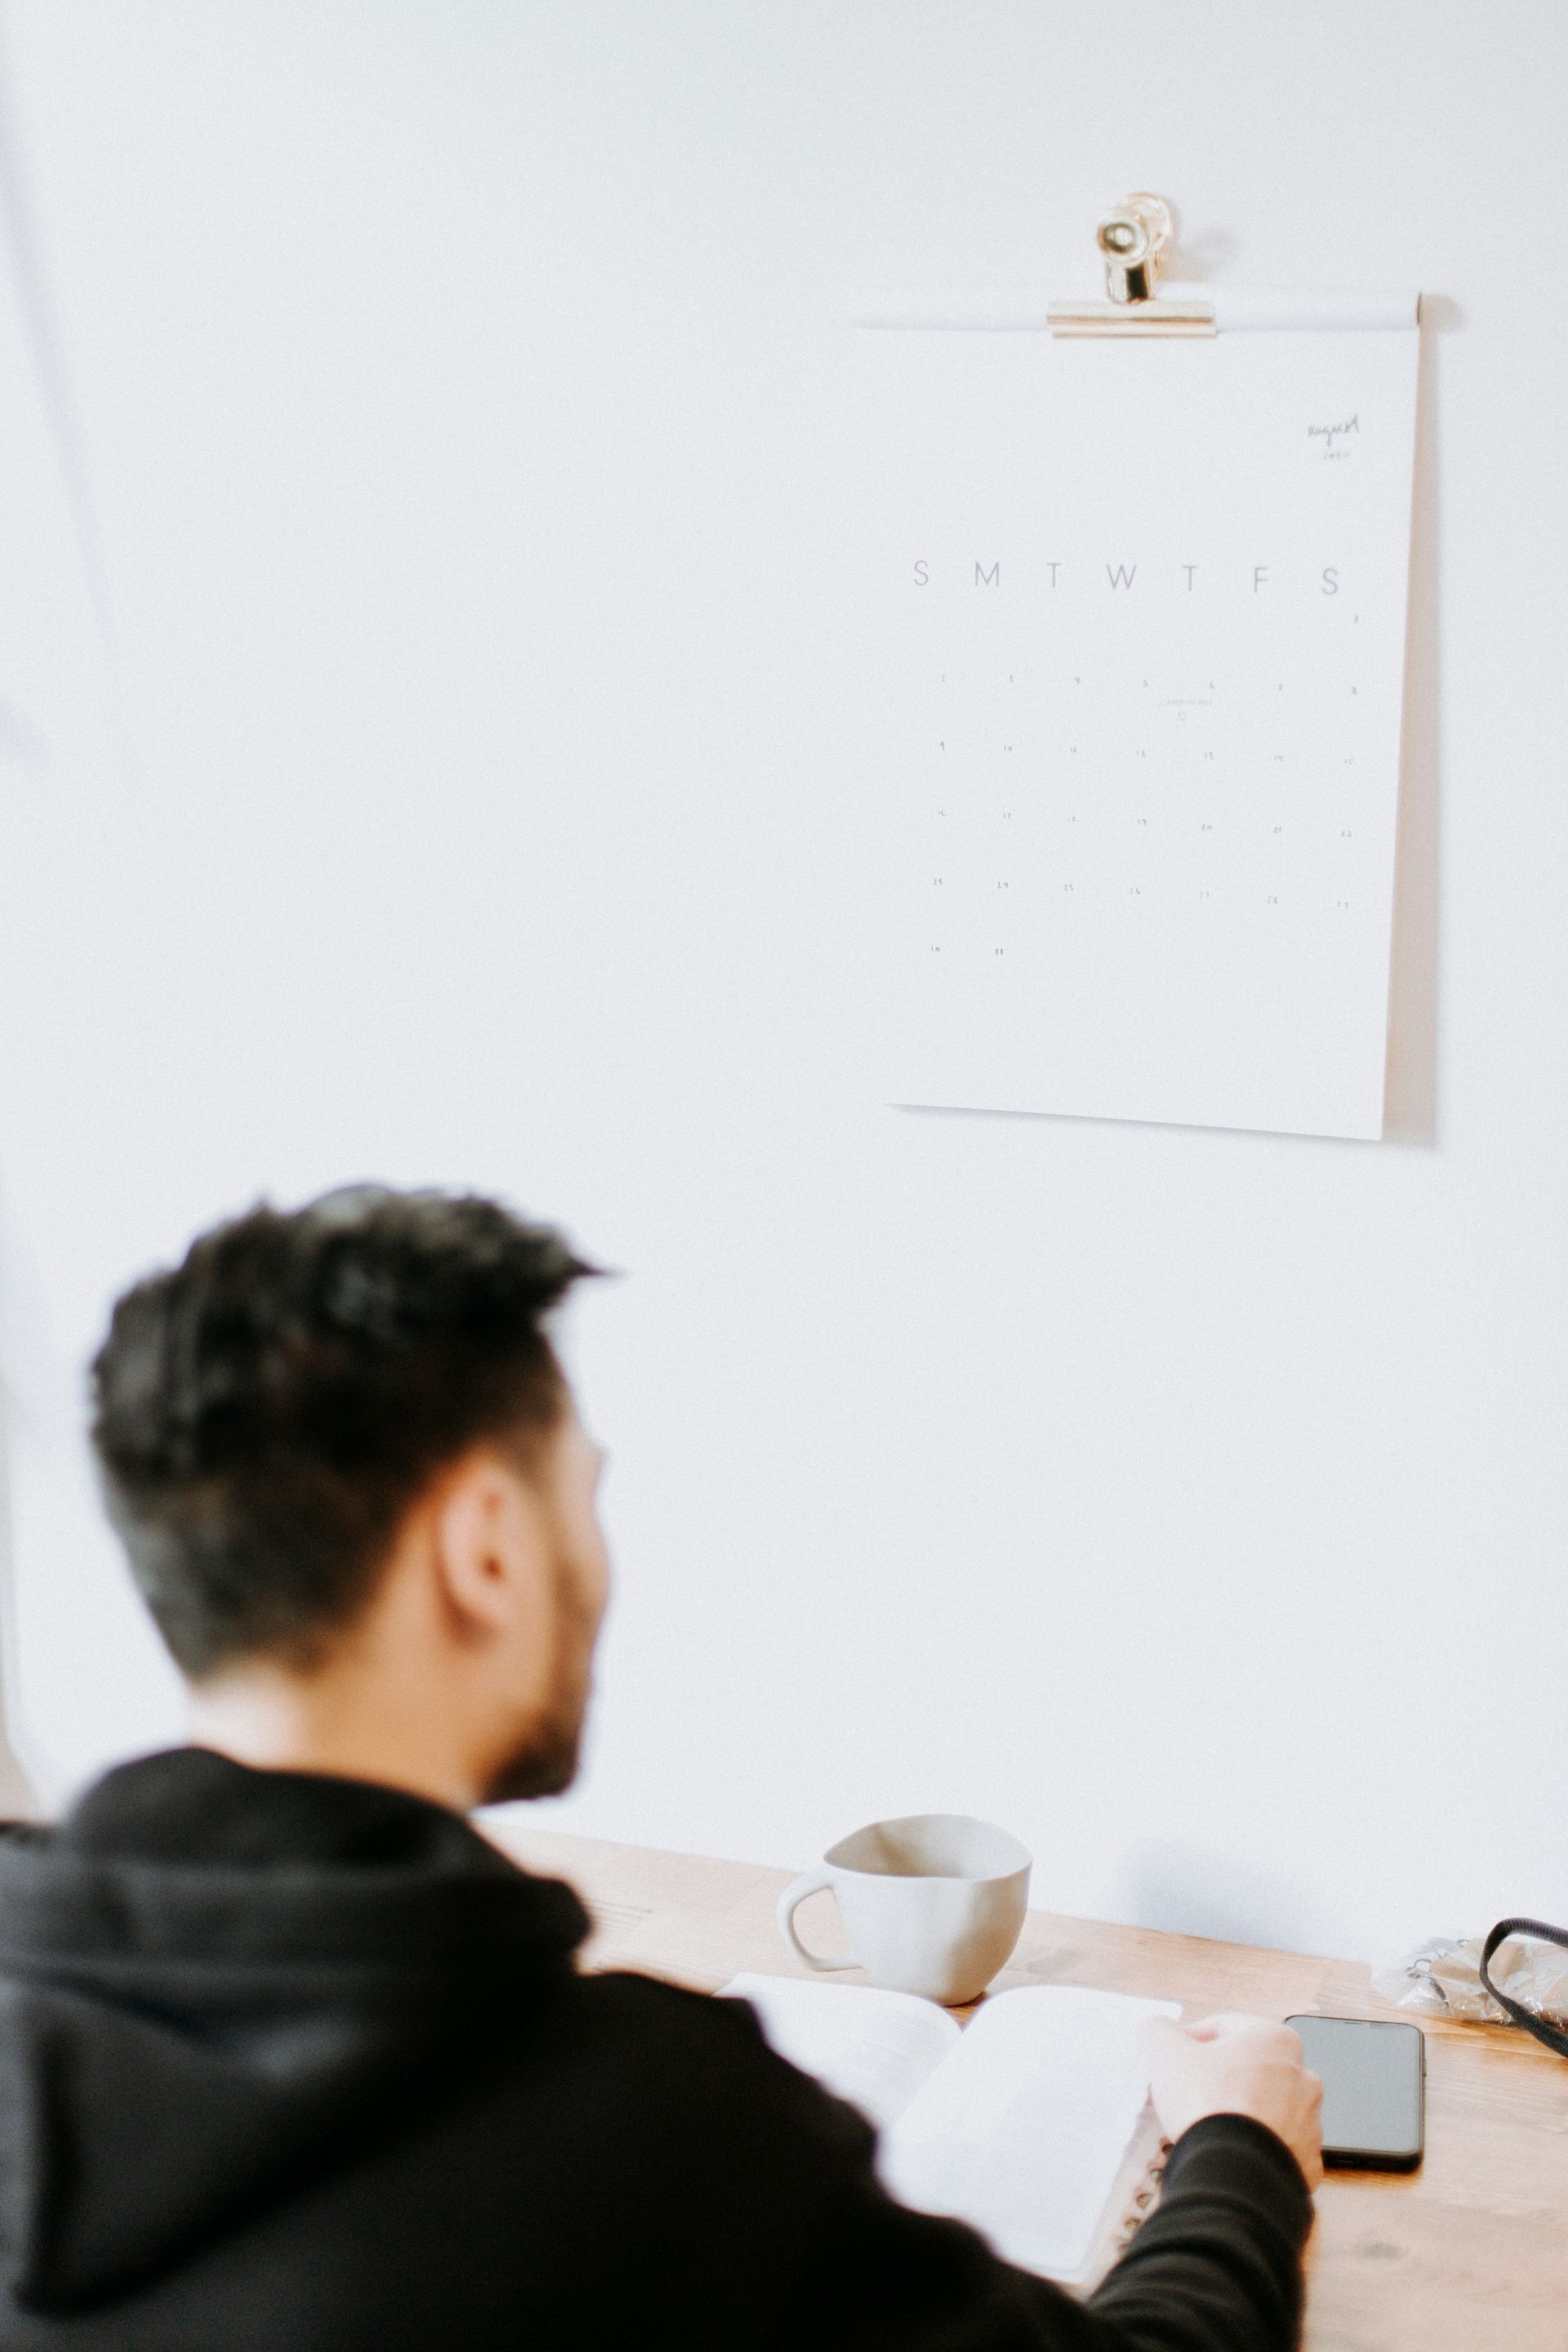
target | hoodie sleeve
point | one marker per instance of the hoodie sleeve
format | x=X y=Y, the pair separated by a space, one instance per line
x=784 y=2176
x=1224 y=2247
x=1217 y=2269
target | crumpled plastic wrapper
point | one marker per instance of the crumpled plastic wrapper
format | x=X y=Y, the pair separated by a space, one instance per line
x=1442 y=1977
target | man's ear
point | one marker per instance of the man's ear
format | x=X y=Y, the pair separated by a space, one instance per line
x=491 y=1549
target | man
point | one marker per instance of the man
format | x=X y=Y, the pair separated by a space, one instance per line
x=291 y=2057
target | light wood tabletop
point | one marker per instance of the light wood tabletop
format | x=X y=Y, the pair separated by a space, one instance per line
x=1469 y=2254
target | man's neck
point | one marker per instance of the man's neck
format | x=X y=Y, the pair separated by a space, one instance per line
x=283 y=1722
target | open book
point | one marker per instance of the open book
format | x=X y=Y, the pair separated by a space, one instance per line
x=1032 y=2122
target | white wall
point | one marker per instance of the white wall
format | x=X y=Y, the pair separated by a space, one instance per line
x=461 y=385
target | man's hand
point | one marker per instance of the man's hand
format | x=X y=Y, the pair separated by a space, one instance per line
x=1238 y=2066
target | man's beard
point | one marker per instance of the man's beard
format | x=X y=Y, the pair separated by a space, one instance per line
x=544 y=1761
x=543 y=1766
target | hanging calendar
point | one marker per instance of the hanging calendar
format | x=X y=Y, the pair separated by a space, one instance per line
x=1133 y=624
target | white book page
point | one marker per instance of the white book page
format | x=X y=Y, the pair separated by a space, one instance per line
x=1131 y=623
x=1022 y=2130
x=875 y=2049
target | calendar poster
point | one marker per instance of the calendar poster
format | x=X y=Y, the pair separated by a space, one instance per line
x=1132 y=630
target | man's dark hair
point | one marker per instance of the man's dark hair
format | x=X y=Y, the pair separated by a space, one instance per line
x=266 y=1413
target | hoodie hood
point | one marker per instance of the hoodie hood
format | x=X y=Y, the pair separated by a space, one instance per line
x=216 y=1984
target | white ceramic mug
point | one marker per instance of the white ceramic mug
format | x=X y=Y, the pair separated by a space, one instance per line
x=931 y=1904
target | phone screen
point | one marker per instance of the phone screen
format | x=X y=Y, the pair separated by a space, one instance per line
x=1374 y=2074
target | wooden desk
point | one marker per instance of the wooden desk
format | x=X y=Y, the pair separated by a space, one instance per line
x=1469 y=2254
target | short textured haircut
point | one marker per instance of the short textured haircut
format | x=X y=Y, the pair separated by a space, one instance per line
x=266 y=1413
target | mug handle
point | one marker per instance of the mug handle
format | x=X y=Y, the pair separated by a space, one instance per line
x=810 y=1882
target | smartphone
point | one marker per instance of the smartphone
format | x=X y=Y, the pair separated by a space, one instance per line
x=1374 y=2076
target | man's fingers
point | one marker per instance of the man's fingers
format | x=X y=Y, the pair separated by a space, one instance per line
x=1158 y=2029
x=1205 y=2029
x=1160 y=2033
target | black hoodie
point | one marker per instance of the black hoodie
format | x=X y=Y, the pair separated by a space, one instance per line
x=293 y=2062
